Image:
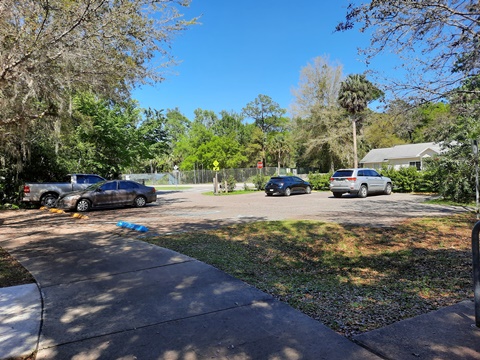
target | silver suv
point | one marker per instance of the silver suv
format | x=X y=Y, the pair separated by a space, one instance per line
x=360 y=182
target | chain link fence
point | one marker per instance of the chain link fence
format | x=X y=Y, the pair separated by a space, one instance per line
x=206 y=176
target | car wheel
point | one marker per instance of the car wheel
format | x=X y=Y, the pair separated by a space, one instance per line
x=49 y=200
x=308 y=190
x=337 y=195
x=288 y=191
x=388 y=189
x=83 y=205
x=140 y=201
x=362 y=193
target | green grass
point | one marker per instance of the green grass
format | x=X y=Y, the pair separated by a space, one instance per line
x=441 y=201
x=353 y=279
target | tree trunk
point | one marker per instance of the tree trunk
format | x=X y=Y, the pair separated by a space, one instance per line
x=355 y=160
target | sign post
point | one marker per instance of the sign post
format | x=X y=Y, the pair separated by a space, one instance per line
x=175 y=171
x=259 y=166
x=215 y=180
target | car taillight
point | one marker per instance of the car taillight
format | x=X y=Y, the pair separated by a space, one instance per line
x=26 y=189
x=352 y=179
x=331 y=179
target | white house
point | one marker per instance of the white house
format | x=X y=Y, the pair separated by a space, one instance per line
x=401 y=156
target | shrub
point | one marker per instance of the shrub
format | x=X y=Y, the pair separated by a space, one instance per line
x=409 y=179
x=231 y=183
x=260 y=181
x=319 y=181
x=427 y=182
x=453 y=179
x=404 y=179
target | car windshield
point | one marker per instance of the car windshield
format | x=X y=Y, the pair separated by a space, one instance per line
x=95 y=186
x=277 y=179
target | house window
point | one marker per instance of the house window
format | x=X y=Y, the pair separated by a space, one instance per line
x=416 y=164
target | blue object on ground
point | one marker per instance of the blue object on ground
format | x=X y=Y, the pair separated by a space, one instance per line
x=128 y=225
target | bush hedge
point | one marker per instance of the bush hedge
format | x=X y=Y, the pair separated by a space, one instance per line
x=260 y=181
x=319 y=181
x=409 y=179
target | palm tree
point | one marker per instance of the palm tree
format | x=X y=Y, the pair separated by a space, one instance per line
x=356 y=92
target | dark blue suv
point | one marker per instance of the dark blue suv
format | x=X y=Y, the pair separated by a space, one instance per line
x=287 y=185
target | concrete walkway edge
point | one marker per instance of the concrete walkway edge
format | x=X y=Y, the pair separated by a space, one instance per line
x=20 y=320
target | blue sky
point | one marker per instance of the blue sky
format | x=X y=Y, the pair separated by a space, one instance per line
x=245 y=48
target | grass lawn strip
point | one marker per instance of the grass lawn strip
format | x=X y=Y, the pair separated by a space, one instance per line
x=351 y=278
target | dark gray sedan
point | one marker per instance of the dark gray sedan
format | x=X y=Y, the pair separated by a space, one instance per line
x=111 y=193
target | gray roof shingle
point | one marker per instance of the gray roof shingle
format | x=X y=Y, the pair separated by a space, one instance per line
x=399 y=152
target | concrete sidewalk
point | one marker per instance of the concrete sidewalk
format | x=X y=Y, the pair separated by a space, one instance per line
x=449 y=333
x=106 y=296
x=20 y=319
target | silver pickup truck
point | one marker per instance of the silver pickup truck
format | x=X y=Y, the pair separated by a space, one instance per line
x=46 y=194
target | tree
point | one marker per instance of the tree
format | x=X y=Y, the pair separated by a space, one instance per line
x=379 y=131
x=207 y=118
x=446 y=33
x=201 y=147
x=323 y=139
x=231 y=123
x=318 y=86
x=454 y=171
x=176 y=128
x=318 y=127
x=106 y=139
x=356 y=92
x=281 y=147
x=185 y=150
x=152 y=140
x=406 y=123
x=37 y=162
x=50 y=48
x=268 y=116
x=253 y=143
x=405 y=119
x=225 y=150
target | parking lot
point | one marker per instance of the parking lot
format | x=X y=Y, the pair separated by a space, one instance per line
x=187 y=210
